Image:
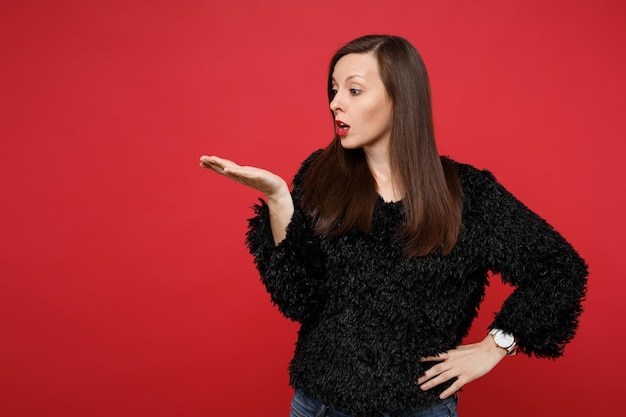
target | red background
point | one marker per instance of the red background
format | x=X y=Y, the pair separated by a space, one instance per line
x=125 y=285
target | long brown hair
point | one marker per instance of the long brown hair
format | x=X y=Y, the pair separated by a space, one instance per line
x=339 y=189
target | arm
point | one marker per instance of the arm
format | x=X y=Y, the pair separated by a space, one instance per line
x=549 y=276
x=280 y=237
x=293 y=270
x=272 y=186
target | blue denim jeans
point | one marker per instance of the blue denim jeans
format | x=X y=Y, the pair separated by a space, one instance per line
x=304 y=406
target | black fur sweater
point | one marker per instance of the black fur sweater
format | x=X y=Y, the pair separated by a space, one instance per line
x=368 y=313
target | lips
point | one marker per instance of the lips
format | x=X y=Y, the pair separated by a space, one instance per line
x=341 y=128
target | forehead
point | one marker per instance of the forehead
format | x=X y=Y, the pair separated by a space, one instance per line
x=363 y=65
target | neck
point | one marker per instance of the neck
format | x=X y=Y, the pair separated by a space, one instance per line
x=387 y=184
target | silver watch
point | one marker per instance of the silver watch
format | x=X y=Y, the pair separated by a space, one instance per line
x=504 y=340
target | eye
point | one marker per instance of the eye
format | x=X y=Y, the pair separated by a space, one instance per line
x=333 y=92
x=355 y=91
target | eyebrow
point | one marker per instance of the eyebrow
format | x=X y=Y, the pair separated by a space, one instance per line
x=348 y=78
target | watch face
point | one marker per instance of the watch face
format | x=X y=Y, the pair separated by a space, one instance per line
x=504 y=340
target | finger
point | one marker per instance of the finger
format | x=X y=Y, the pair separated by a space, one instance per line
x=422 y=379
x=433 y=382
x=439 y=358
x=447 y=393
x=452 y=389
x=221 y=166
x=216 y=161
x=214 y=168
x=208 y=162
x=432 y=373
x=237 y=171
x=438 y=374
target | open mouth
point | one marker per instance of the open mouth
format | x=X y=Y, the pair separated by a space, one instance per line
x=341 y=128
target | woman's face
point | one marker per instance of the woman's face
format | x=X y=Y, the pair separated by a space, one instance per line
x=362 y=109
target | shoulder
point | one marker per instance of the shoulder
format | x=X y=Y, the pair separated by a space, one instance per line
x=304 y=167
x=483 y=193
x=312 y=157
x=471 y=178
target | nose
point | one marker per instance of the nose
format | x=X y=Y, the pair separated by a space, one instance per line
x=336 y=104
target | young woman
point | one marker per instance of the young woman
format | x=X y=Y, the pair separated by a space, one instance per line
x=382 y=248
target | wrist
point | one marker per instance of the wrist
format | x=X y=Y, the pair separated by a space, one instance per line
x=504 y=341
x=279 y=193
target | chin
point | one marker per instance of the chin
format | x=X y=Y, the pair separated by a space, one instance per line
x=347 y=144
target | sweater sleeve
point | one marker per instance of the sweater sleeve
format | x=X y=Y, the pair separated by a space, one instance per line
x=291 y=271
x=549 y=276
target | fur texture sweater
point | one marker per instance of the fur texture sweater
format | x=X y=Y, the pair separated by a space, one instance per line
x=368 y=313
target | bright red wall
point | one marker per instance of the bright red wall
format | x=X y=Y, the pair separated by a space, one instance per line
x=126 y=289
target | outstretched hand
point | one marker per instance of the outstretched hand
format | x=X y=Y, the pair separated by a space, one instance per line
x=260 y=179
x=274 y=187
x=466 y=363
